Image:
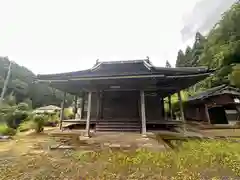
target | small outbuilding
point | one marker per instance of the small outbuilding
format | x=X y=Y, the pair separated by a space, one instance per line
x=218 y=105
x=47 y=109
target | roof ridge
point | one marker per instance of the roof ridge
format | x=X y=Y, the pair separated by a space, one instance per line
x=122 y=61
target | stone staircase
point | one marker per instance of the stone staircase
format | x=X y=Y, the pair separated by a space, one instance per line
x=118 y=125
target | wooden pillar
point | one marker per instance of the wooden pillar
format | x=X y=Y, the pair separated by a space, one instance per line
x=181 y=109
x=163 y=109
x=207 y=114
x=62 y=110
x=170 y=107
x=143 y=113
x=75 y=105
x=88 y=114
x=82 y=106
x=98 y=106
x=101 y=104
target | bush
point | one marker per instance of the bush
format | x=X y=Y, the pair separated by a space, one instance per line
x=38 y=123
x=13 y=115
x=26 y=125
x=5 y=130
x=23 y=106
x=52 y=119
x=68 y=113
x=16 y=117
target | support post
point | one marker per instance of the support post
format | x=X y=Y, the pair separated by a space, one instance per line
x=101 y=104
x=82 y=106
x=88 y=114
x=143 y=113
x=170 y=106
x=75 y=106
x=181 y=109
x=98 y=106
x=207 y=114
x=62 y=110
x=163 y=109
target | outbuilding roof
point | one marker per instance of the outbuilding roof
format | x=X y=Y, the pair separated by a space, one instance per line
x=219 y=90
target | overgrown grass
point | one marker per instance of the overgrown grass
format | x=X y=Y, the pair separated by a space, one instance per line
x=194 y=160
x=26 y=158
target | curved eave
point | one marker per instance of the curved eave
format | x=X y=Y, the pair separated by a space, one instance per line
x=162 y=76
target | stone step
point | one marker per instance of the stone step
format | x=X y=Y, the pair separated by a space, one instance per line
x=119 y=122
x=109 y=129
x=116 y=125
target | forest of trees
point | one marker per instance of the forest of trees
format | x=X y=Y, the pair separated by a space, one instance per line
x=219 y=50
x=22 y=88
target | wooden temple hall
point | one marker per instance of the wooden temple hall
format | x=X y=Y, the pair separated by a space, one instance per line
x=125 y=95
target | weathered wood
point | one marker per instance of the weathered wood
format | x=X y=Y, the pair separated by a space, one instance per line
x=88 y=114
x=62 y=110
x=82 y=106
x=170 y=107
x=75 y=105
x=181 y=106
x=162 y=108
x=143 y=113
x=207 y=114
x=101 y=104
x=98 y=106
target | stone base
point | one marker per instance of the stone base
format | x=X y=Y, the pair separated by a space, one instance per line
x=82 y=138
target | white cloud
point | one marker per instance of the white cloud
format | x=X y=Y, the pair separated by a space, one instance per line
x=50 y=36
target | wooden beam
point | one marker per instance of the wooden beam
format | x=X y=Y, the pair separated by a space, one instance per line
x=170 y=106
x=143 y=113
x=62 y=110
x=88 y=114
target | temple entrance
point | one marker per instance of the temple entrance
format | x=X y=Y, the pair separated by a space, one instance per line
x=121 y=105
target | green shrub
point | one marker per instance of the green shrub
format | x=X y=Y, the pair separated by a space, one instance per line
x=23 y=106
x=5 y=130
x=68 y=113
x=38 y=123
x=53 y=119
x=26 y=125
x=16 y=117
x=13 y=115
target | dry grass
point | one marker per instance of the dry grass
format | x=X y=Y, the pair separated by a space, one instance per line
x=221 y=132
x=28 y=157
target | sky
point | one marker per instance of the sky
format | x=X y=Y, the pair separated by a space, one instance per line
x=53 y=36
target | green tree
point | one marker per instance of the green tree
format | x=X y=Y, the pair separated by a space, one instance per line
x=168 y=65
x=21 y=87
x=180 y=59
x=219 y=50
x=197 y=49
